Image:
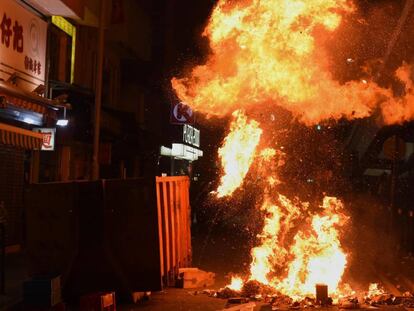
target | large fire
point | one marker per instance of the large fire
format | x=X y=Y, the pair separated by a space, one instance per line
x=273 y=53
x=299 y=247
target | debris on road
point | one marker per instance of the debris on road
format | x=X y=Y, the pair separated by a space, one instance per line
x=241 y=307
x=195 y=278
x=140 y=296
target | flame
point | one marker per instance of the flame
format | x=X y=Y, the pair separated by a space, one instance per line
x=275 y=52
x=237 y=152
x=268 y=53
x=262 y=255
x=236 y=283
x=314 y=257
x=375 y=290
x=400 y=110
x=298 y=248
x=318 y=255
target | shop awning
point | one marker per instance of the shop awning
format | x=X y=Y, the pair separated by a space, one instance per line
x=18 y=137
x=29 y=101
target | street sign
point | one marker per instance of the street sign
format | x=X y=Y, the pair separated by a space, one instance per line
x=181 y=114
x=48 y=138
x=191 y=135
x=394 y=148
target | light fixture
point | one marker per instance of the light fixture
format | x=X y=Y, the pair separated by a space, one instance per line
x=28 y=120
x=64 y=121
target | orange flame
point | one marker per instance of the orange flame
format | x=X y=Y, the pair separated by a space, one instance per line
x=273 y=52
x=375 y=290
x=399 y=110
x=237 y=152
x=314 y=257
x=236 y=283
x=318 y=255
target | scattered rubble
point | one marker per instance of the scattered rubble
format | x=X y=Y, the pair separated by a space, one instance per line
x=195 y=278
x=227 y=293
x=240 y=307
x=255 y=291
x=407 y=300
x=350 y=303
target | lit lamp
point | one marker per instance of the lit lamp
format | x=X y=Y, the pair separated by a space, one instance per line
x=64 y=121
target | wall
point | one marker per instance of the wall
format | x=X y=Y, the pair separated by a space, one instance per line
x=134 y=33
x=86 y=55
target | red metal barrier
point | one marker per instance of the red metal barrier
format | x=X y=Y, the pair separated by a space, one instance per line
x=174 y=220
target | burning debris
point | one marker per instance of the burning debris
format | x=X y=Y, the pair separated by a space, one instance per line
x=255 y=291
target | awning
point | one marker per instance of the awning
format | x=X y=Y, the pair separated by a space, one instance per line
x=29 y=101
x=18 y=137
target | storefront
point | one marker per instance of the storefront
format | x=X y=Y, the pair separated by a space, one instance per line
x=23 y=108
x=183 y=153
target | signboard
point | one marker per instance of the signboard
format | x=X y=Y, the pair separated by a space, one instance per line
x=181 y=114
x=191 y=135
x=183 y=152
x=48 y=138
x=22 y=44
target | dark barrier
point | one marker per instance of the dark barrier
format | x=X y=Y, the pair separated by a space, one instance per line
x=98 y=235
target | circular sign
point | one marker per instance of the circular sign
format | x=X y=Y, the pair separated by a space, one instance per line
x=181 y=113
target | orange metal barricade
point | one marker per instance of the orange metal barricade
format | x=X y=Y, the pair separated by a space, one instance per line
x=174 y=221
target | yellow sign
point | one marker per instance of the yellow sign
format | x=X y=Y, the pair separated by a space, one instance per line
x=70 y=30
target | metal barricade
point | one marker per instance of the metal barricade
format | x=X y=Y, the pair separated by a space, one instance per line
x=174 y=222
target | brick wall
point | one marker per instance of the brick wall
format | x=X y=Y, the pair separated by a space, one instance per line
x=11 y=190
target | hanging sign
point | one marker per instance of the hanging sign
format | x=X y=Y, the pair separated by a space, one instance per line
x=48 y=138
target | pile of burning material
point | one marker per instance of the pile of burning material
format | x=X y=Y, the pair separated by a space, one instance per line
x=378 y=301
x=254 y=290
x=251 y=289
x=377 y=297
x=385 y=299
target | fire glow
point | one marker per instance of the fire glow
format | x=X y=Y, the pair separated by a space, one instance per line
x=273 y=53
